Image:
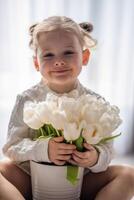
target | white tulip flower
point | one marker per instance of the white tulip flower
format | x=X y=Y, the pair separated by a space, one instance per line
x=71 y=132
x=58 y=119
x=92 y=133
x=90 y=115
x=70 y=107
x=43 y=112
x=30 y=117
x=72 y=113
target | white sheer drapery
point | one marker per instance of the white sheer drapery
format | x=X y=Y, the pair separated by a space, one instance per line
x=110 y=71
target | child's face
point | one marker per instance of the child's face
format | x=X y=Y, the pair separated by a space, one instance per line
x=60 y=57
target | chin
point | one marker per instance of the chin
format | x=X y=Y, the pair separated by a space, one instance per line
x=61 y=80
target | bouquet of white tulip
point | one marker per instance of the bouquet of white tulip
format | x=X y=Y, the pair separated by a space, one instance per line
x=77 y=119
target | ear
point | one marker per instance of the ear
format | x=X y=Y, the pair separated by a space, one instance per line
x=36 y=63
x=86 y=55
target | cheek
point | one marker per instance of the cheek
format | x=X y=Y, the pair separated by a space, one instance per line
x=78 y=59
x=47 y=63
x=43 y=68
x=78 y=64
x=44 y=65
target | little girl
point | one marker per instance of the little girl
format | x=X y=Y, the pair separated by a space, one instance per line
x=61 y=48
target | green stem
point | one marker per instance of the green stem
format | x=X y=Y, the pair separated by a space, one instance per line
x=42 y=132
x=57 y=132
x=48 y=129
x=72 y=174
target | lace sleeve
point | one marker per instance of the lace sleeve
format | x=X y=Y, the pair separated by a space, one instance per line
x=19 y=145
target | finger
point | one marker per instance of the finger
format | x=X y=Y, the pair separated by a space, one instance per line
x=62 y=157
x=79 y=160
x=67 y=146
x=59 y=162
x=89 y=147
x=65 y=151
x=58 y=139
x=81 y=154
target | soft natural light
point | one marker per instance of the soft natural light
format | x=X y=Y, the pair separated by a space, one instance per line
x=110 y=71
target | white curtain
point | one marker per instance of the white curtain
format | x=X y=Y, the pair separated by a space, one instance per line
x=109 y=73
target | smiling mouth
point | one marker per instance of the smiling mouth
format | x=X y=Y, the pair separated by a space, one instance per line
x=61 y=71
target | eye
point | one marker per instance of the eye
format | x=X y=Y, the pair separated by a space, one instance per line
x=68 y=53
x=48 y=55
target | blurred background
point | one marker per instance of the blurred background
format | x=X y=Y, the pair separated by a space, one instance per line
x=110 y=71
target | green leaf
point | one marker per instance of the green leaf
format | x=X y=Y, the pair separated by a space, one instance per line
x=79 y=143
x=106 y=139
x=72 y=174
x=43 y=137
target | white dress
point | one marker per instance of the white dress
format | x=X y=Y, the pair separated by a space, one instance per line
x=20 y=147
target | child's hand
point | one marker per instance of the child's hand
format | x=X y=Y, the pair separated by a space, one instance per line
x=58 y=151
x=85 y=159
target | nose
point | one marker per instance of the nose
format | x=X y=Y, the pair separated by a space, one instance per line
x=60 y=63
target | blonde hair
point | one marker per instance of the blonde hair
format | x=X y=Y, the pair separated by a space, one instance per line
x=82 y=30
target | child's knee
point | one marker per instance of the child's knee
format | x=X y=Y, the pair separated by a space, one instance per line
x=126 y=172
x=1 y=178
x=4 y=166
x=127 y=176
